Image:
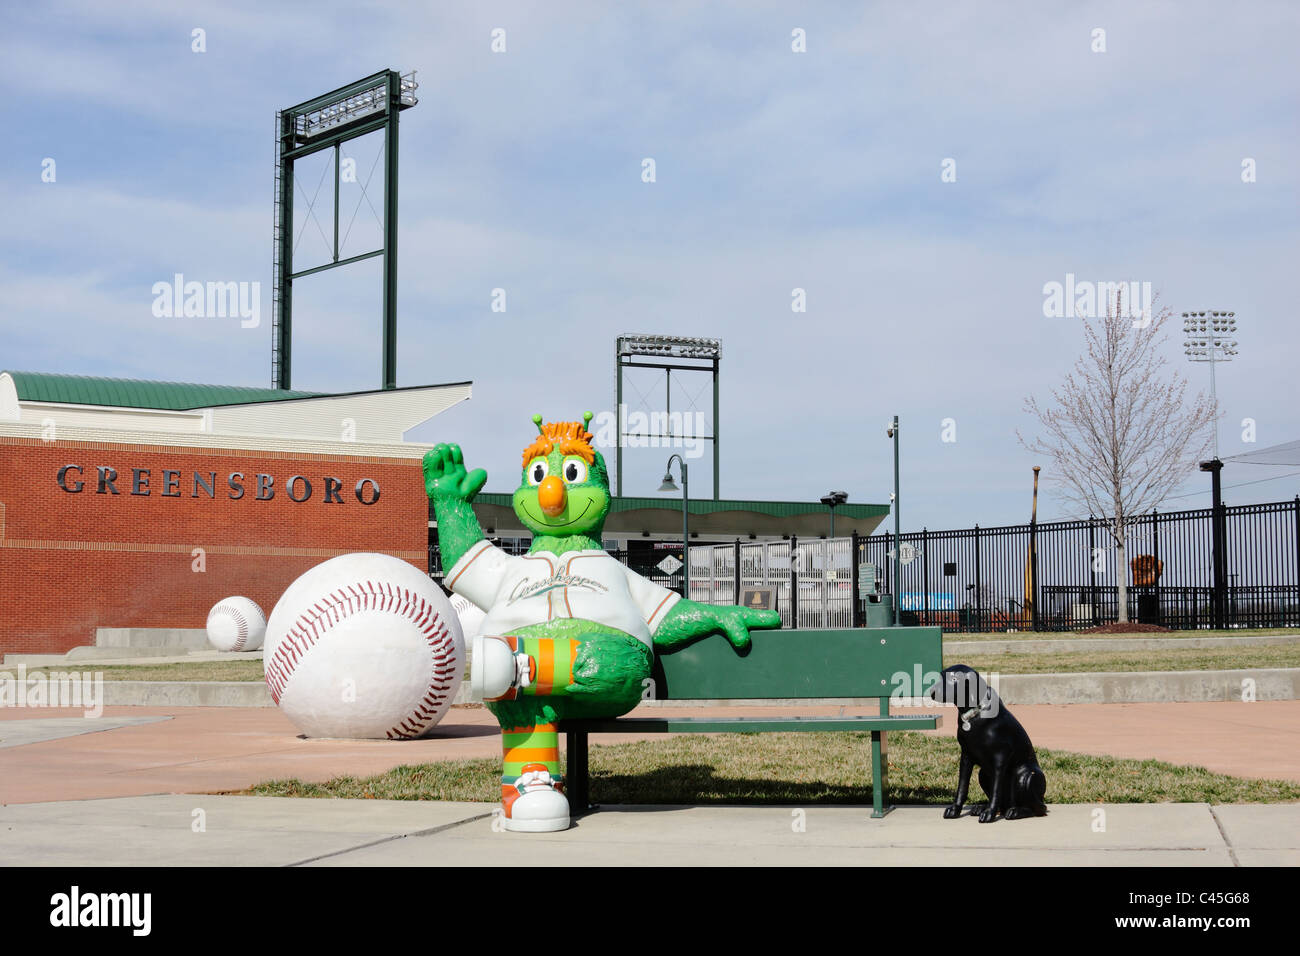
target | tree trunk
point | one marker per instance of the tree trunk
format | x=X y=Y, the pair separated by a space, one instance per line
x=1121 y=579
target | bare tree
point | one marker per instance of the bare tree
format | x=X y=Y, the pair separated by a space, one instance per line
x=1121 y=433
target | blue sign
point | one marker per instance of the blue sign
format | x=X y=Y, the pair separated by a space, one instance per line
x=939 y=601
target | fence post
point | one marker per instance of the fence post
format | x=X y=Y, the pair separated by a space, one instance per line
x=856 y=619
x=737 y=570
x=1032 y=596
x=979 y=598
x=824 y=545
x=794 y=581
x=1155 y=548
x=1217 y=546
x=1092 y=566
x=1297 y=554
x=925 y=575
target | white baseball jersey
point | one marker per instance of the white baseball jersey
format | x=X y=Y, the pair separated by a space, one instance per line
x=518 y=590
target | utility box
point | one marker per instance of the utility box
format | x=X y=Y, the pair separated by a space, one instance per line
x=868 y=583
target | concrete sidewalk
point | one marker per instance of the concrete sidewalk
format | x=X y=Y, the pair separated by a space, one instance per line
x=212 y=830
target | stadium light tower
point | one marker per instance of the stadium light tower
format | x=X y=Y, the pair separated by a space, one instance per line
x=1208 y=340
x=668 y=353
x=370 y=105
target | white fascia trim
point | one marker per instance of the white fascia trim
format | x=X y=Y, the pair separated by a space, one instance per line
x=200 y=440
x=181 y=414
x=383 y=415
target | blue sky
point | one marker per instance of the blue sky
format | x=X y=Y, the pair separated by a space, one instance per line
x=775 y=170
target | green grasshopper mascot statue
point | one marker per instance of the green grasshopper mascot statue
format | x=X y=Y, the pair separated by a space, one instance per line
x=570 y=632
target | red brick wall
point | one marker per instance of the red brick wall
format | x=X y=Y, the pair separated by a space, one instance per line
x=72 y=562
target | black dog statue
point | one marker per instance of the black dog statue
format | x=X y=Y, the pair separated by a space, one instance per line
x=994 y=740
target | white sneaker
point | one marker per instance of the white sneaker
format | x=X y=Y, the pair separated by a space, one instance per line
x=541 y=806
x=497 y=669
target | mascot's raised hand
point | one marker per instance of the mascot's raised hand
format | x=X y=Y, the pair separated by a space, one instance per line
x=445 y=475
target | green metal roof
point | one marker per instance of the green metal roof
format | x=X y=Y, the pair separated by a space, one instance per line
x=704 y=506
x=138 y=393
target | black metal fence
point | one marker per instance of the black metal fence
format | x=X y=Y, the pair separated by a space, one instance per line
x=981 y=579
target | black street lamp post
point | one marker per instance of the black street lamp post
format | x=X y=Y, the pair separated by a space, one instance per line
x=832 y=500
x=892 y=432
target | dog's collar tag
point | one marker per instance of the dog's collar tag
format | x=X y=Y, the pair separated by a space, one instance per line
x=966 y=715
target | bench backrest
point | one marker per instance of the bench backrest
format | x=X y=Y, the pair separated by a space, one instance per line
x=862 y=662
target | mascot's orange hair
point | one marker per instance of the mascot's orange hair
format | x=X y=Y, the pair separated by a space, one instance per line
x=572 y=437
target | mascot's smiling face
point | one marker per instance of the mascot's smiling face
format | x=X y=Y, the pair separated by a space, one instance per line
x=565 y=487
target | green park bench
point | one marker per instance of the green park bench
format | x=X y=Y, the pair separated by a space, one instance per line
x=780 y=665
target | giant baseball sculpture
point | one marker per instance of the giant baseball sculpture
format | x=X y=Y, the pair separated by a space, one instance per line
x=569 y=632
x=364 y=646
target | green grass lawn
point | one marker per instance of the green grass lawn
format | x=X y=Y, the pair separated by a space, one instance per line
x=830 y=768
x=250 y=670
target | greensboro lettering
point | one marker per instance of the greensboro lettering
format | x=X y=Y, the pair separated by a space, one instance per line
x=167 y=483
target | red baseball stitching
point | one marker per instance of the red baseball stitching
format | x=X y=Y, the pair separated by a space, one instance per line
x=334 y=608
x=240 y=622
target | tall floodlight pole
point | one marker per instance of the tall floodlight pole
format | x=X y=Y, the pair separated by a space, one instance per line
x=892 y=432
x=1208 y=340
x=668 y=486
x=370 y=105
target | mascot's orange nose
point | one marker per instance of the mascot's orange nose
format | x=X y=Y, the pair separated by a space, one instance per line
x=551 y=496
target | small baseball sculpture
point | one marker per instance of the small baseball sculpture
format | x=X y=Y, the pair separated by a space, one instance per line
x=364 y=646
x=236 y=624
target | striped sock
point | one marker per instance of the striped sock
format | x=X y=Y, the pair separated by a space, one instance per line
x=552 y=665
x=526 y=749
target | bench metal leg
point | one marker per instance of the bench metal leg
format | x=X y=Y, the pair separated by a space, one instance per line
x=575 y=777
x=879 y=773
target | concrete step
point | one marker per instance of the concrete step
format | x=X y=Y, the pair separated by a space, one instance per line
x=88 y=654
x=121 y=653
x=1076 y=645
x=139 y=637
x=159 y=655
x=34 y=660
x=129 y=655
x=1265 y=683
x=142 y=693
